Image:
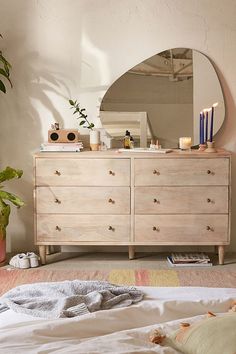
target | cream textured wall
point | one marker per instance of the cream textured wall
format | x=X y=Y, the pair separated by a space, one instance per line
x=77 y=48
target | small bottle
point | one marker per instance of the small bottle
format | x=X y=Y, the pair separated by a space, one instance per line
x=127 y=140
x=131 y=142
x=152 y=145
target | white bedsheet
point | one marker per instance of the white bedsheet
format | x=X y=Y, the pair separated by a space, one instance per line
x=124 y=330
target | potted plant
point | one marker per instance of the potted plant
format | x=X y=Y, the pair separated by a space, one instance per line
x=83 y=117
x=4 y=71
x=7 y=174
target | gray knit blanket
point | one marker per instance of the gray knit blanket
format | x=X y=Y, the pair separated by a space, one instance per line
x=68 y=298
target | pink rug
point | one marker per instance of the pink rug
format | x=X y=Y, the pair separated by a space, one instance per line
x=10 y=278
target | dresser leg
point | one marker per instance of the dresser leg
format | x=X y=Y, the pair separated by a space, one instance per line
x=221 y=252
x=42 y=254
x=131 y=252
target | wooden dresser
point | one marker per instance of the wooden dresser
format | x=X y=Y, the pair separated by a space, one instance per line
x=111 y=198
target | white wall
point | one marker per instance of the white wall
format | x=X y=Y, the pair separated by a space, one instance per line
x=206 y=91
x=77 y=48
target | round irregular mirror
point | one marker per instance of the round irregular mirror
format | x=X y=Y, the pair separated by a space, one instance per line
x=161 y=98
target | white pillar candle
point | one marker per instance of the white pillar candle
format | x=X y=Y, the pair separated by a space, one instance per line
x=185 y=143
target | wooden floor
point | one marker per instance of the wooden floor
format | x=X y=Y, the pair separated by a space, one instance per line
x=120 y=260
x=146 y=270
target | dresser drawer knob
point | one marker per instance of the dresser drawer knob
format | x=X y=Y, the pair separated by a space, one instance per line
x=209 y=172
x=209 y=200
x=155 y=172
x=156 y=201
x=111 y=228
x=57 y=201
x=111 y=201
x=209 y=228
x=58 y=173
x=58 y=228
x=111 y=173
x=155 y=228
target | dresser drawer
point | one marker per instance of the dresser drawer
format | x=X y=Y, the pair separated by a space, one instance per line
x=185 y=200
x=186 y=229
x=83 y=228
x=82 y=172
x=83 y=200
x=180 y=171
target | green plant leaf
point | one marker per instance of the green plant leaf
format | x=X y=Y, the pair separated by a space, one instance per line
x=82 y=122
x=2 y=87
x=71 y=102
x=10 y=173
x=6 y=75
x=3 y=72
x=11 y=198
x=5 y=210
x=6 y=64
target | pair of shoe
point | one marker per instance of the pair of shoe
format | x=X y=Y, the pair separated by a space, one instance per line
x=25 y=260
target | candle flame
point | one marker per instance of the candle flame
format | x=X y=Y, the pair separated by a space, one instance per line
x=215 y=104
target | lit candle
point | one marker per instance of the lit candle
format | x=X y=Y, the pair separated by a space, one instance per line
x=185 y=143
x=207 y=110
x=212 y=120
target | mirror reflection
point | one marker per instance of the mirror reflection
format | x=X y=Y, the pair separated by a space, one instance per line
x=161 y=98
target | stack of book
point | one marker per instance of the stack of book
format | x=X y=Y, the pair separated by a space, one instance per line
x=69 y=147
x=189 y=259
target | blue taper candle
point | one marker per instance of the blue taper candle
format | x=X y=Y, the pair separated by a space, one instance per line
x=203 y=122
x=206 y=125
x=200 y=128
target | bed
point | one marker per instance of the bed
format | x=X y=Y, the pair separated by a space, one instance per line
x=124 y=330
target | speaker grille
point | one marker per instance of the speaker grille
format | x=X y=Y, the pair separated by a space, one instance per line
x=54 y=136
x=71 y=136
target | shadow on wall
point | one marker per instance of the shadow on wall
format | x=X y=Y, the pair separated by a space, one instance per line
x=21 y=132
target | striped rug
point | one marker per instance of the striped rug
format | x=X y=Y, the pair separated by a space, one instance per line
x=10 y=278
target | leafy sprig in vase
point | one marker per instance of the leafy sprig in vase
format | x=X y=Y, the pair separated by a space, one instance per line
x=94 y=134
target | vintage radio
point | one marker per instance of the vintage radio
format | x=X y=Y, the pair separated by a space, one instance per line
x=63 y=136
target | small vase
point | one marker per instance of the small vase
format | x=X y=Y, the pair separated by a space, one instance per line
x=202 y=147
x=210 y=146
x=2 y=251
x=94 y=140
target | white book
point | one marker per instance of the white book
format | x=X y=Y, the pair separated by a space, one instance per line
x=61 y=148
x=79 y=143
x=169 y=260
x=189 y=257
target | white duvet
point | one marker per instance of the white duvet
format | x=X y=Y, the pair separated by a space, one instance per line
x=124 y=330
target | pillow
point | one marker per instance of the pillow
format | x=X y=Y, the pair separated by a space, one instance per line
x=212 y=335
